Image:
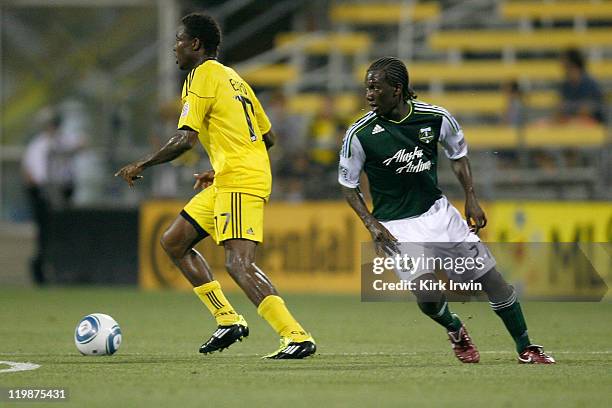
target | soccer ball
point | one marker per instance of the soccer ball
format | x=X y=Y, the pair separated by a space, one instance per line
x=97 y=334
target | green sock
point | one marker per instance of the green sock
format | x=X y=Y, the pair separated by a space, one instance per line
x=440 y=313
x=513 y=318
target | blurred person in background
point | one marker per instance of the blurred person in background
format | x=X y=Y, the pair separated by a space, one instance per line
x=294 y=172
x=48 y=173
x=514 y=114
x=164 y=179
x=323 y=145
x=580 y=94
x=221 y=111
x=288 y=127
x=290 y=151
x=325 y=137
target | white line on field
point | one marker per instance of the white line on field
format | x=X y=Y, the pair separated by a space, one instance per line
x=15 y=366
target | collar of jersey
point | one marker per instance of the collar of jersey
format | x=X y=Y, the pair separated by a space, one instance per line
x=205 y=61
x=404 y=118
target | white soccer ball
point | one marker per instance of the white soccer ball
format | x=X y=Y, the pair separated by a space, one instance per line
x=97 y=334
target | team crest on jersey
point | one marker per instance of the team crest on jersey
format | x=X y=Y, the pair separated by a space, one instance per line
x=185 y=110
x=426 y=135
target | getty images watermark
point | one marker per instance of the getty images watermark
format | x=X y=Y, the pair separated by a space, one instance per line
x=412 y=267
x=543 y=271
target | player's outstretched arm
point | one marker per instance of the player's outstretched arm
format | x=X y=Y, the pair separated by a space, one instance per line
x=183 y=140
x=384 y=241
x=474 y=214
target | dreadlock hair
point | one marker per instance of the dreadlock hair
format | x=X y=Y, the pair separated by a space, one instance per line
x=395 y=74
x=204 y=28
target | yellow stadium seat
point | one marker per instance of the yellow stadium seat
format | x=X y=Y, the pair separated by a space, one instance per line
x=500 y=137
x=542 y=99
x=324 y=43
x=346 y=104
x=491 y=72
x=270 y=75
x=383 y=13
x=556 y=10
x=492 y=103
x=565 y=136
x=306 y=103
x=491 y=137
x=498 y=40
x=478 y=137
x=312 y=103
x=477 y=102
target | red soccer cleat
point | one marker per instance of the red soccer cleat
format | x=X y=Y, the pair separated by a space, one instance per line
x=534 y=354
x=463 y=347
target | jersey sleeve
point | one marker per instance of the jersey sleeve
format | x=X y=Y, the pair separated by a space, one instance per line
x=260 y=115
x=201 y=91
x=451 y=138
x=352 y=158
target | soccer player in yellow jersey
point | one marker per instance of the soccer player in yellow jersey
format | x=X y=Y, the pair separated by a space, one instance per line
x=222 y=112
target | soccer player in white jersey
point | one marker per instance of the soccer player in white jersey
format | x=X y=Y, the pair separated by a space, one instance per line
x=395 y=144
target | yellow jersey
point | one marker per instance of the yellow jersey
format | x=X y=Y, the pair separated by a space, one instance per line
x=223 y=109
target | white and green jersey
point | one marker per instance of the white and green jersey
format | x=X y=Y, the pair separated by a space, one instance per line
x=400 y=158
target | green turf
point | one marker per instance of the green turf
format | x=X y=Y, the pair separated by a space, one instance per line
x=370 y=354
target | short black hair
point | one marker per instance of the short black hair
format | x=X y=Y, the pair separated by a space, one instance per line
x=574 y=57
x=205 y=28
x=396 y=73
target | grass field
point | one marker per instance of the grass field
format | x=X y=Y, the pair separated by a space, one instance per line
x=370 y=354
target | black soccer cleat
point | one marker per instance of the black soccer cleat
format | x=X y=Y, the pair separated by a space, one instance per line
x=225 y=336
x=291 y=350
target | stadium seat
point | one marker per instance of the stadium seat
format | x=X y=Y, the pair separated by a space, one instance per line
x=565 y=136
x=382 y=13
x=312 y=103
x=305 y=103
x=500 y=40
x=491 y=137
x=491 y=72
x=556 y=10
x=486 y=102
x=503 y=137
x=270 y=75
x=320 y=43
x=474 y=102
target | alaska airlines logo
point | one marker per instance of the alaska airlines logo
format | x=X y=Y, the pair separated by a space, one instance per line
x=409 y=157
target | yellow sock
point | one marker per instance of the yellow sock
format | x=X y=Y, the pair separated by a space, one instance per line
x=211 y=295
x=274 y=311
